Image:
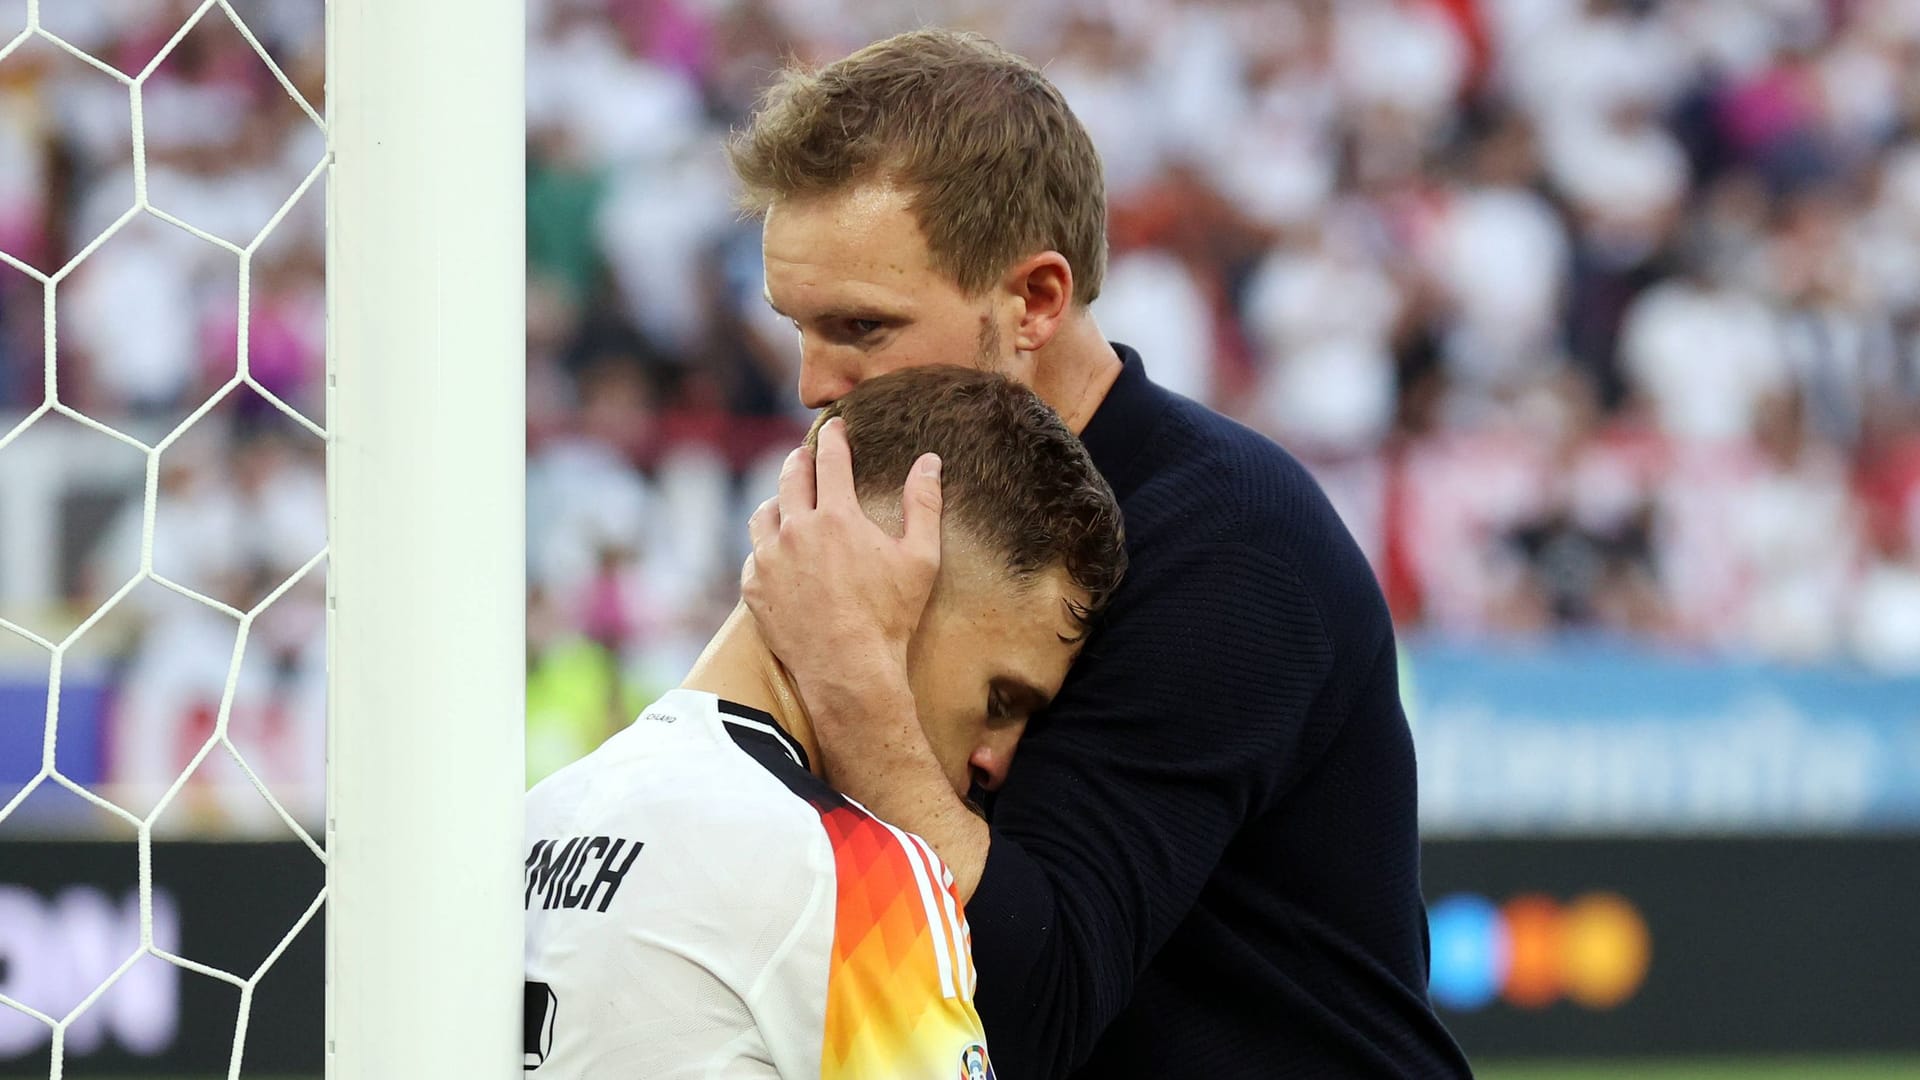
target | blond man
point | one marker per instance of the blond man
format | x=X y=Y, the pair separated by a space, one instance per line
x=1205 y=861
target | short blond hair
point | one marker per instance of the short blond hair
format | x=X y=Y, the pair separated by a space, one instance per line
x=995 y=163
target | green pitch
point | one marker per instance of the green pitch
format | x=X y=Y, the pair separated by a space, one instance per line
x=1902 y=1068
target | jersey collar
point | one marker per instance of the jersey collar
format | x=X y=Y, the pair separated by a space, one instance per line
x=752 y=723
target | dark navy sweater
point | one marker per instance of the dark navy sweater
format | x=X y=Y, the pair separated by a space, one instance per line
x=1205 y=862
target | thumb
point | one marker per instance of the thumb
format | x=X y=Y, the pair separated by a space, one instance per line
x=920 y=504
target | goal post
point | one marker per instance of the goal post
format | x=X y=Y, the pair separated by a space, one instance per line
x=426 y=604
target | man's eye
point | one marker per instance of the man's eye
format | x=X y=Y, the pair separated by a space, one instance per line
x=862 y=327
x=997 y=708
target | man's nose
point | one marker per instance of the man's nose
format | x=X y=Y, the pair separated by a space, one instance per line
x=822 y=382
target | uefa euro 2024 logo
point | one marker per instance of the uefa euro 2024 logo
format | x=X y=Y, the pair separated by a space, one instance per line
x=974 y=1064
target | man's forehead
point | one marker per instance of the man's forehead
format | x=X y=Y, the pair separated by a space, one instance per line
x=836 y=278
x=861 y=222
x=865 y=203
x=858 y=252
x=832 y=289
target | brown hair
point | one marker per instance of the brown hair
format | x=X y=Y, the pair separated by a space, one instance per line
x=997 y=166
x=1012 y=476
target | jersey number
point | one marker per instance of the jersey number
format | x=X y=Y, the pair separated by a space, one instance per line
x=541 y=1005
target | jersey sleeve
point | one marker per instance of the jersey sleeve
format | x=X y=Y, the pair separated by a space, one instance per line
x=898 y=970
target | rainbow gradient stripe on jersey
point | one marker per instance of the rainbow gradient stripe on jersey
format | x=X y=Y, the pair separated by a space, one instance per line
x=699 y=903
x=900 y=981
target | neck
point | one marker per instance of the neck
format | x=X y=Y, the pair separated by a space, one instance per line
x=1073 y=372
x=738 y=666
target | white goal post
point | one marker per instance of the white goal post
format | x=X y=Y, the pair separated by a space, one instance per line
x=426 y=617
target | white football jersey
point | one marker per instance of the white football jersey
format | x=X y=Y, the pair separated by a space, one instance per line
x=700 y=905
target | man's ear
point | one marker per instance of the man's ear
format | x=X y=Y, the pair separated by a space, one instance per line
x=1042 y=284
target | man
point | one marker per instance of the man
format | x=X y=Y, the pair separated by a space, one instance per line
x=700 y=903
x=1206 y=862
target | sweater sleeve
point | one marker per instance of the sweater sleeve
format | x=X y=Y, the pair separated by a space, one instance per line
x=1185 y=716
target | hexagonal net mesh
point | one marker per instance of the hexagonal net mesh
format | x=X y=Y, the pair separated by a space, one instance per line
x=249 y=390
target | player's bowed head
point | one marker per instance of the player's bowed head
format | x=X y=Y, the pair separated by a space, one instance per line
x=1021 y=545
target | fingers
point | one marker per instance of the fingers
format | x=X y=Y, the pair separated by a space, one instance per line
x=920 y=503
x=763 y=529
x=833 y=466
x=796 y=482
x=764 y=526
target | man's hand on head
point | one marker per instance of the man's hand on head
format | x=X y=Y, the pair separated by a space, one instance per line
x=837 y=599
x=836 y=596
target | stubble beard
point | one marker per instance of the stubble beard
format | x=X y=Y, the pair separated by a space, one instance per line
x=987 y=348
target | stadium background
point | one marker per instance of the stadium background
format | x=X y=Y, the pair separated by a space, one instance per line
x=1600 y=322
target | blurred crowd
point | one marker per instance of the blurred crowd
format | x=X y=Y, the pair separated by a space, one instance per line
x=1595 y=317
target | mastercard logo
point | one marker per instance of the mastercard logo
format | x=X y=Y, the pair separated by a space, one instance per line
x=1533 y=951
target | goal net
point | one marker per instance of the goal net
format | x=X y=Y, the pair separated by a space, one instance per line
x=261 y=573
